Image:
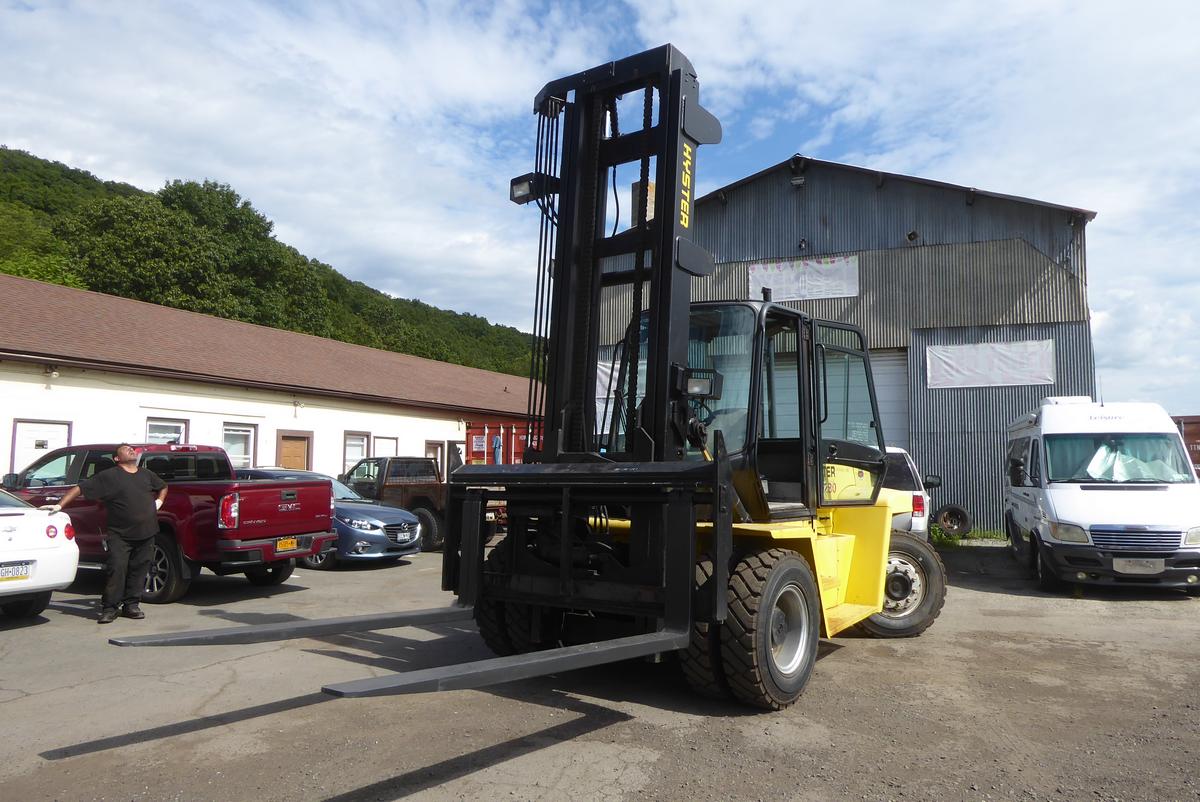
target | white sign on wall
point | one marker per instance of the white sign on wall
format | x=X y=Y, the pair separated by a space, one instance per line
x=990 y=364
x=806 y=279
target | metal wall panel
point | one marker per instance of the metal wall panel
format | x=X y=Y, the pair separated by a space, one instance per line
x=965 y=284
x=889 y=369
x=959 y=432
x=831 y=209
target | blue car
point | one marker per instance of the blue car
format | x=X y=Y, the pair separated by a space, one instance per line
x=367 y=530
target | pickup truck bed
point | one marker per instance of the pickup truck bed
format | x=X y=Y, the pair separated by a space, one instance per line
x=209 y=519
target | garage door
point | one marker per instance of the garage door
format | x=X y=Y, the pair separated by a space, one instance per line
x=890 y=370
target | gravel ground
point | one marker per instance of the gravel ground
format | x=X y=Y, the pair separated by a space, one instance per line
x=1012 y=695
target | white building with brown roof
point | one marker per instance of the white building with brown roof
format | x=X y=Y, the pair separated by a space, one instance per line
x=78 y=366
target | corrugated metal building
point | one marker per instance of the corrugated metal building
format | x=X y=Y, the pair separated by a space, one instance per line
x=921 y=266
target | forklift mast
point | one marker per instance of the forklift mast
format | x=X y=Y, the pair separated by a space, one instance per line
x=580 y=259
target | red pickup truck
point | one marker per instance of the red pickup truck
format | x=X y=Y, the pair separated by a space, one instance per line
x=209 y=519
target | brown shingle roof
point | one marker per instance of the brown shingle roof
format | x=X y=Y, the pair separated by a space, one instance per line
x=51 y=323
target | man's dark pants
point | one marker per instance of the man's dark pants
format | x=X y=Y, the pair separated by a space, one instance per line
x=128 y=561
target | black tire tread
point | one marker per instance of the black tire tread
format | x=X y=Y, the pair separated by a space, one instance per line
x=489 y=613
x=432 y=538
x=739 y=656
x=876 y=631
x=274 y=574
x=701 y=660
x=27 y=608
x=178 y=581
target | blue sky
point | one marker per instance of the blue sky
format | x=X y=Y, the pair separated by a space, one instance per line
x=380 y=136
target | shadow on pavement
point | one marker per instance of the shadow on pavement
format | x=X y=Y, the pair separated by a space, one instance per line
x=184 y=727
x=591 y=719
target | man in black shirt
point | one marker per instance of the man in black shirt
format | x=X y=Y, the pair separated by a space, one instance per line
x=132 y=497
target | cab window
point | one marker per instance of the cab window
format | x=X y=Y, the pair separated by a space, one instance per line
x=1034 y=479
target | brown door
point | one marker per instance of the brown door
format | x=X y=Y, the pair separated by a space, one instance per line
x=293 y=452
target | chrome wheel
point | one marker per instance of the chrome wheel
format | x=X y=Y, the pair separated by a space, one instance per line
x=159 y=572
x=903 y=586
x=789 y=629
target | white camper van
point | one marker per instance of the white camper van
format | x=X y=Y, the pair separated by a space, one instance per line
x=1102 y=494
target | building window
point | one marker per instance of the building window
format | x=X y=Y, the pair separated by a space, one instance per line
x=435 y=451
x=240 y=441
x=355 y=448
x=164 y=430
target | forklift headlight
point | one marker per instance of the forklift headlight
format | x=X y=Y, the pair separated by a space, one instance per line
x=531 y=186
x=702 y=383
x=1068 y=533
x=1193 y=537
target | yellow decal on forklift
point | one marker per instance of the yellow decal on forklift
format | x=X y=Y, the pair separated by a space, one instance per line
x=845 y=483
x=685 y=190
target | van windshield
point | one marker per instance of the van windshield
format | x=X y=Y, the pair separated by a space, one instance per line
x=1118 y=458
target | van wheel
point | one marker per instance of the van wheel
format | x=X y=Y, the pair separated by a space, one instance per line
x=432 y=538
x=273 y=574
x=166 y=579
x=701 y=660
x=1047 y=580
x=1014 y=538
x=769 y=640
x=914 y=590
x=27 y=608
x=953 y=520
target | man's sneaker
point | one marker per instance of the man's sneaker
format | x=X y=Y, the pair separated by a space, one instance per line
x=133 y=611
x=107 y=616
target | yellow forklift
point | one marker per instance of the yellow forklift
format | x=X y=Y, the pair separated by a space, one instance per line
x=701 y=479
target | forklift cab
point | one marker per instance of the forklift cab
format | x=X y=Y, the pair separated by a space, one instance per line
x=795 y=407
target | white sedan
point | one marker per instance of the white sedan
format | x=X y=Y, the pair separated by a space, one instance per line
x=38 y=555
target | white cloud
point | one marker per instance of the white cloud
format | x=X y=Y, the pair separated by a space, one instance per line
x=380 y=137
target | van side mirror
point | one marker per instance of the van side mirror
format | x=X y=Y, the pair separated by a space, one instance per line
x=10 y=481
x=342 y=478
x=933 y=480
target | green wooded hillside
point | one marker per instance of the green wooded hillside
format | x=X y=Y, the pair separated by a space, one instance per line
x=203 y=248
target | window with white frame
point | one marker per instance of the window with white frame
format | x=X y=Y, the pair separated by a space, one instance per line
x=238 y=440
x=166 y=430
x=354 y=448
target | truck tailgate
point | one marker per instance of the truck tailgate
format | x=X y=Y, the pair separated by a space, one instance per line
x=270 y=509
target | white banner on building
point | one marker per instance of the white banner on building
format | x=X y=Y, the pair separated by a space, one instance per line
x=990 y=364
x=806 y=279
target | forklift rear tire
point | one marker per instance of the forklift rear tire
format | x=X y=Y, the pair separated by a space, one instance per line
x=769 y=640
x=701 y=660
x=489 y=612
x=432 y=538
x=914 y=590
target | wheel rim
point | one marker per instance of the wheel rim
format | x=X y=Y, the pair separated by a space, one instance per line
x=904 y=586
x=789 y=629
x=156 y=577
x=319 y=559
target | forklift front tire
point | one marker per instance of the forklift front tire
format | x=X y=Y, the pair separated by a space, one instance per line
x=769 y=640
x=701 y=660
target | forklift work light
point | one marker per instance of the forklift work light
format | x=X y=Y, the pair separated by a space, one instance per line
x=532 y=186
x=703 y=383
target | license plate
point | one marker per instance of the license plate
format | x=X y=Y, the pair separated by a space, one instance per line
x=10 y=572
x=1139 y=565
x=286 y=544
